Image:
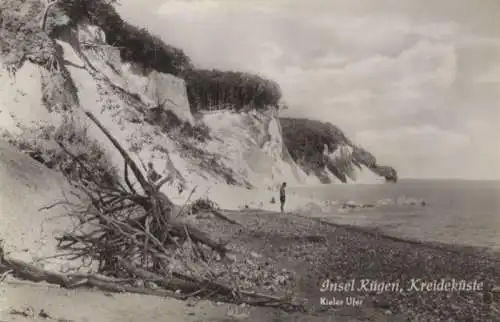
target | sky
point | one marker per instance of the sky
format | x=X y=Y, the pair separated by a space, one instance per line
x=417 y=83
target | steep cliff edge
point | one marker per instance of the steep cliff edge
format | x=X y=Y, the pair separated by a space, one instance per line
x=323 y=149
x=205 y=128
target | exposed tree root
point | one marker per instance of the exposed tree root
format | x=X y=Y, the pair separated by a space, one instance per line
x=178 y=286
x=126 y=227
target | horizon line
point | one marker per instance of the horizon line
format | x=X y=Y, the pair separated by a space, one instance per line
x=449 y=178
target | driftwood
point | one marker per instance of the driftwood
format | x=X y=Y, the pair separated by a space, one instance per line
x=219 y=215
x=179 y=229
x=184 y=287
x=49 y=5
x=152 y=189
x=29 y=272
x=156 y=197
x=130 y=234
x=206 y=205
x=128 y=160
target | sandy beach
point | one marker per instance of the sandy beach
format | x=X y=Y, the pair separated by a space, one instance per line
x=301 y=253
x=316 y=251
x=291 y=254
x=84 y=92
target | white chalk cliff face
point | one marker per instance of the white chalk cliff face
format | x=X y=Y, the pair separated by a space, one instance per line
x=251 y=143
x=51 y=83
x=245 y=149
x=28 y=222
x=343 y=160
x=248 y=144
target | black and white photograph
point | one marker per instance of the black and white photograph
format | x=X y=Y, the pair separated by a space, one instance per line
x=249 y=160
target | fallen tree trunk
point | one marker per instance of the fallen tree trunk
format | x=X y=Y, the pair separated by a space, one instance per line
x=128 y=160
x=133 y=236
x=156 y=197
x=185 y=231
x=26 y=271
x=179 y=229
x=45 y=15
x=187 y=286
x=219 y=215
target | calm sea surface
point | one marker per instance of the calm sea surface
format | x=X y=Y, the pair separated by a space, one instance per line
x=456 y=211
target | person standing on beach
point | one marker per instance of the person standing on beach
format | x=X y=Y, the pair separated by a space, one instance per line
x=282 y=196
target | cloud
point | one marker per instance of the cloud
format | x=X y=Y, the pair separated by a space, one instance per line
x=429 y=151
x=484 y=135
x=355 y=96
x=193 y=8
x=437 y=31
x=374 y=90
x=421 y=151
x=377 y=31
x=393 y=74
x=425 y=66
x=491 y=75
x=425 y=63
x=425 y=140
x=328 y=60
x=474 y=40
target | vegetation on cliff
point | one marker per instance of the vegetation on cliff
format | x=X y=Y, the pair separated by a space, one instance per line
x=136 y=44
x=21 y=37
x=215 y=89
x=207 y=89
x=366 y=158
x=306 y=139
x=42 y=143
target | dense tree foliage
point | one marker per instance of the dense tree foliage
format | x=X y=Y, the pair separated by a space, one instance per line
x=207 y=89
x=306 y=139
x=135 y=44
x=171 y=123
x=366 y=158
x=389 y=173
x=215 y=89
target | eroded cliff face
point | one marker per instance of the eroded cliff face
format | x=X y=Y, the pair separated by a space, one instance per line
x=48 y=82
x=27 y=233
x=324 y=150
x=147 y=111
x=252 y=143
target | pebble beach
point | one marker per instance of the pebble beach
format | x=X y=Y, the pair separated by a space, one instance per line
x=347 y=272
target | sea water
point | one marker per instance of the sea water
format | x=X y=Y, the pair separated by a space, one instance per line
x=458 y=212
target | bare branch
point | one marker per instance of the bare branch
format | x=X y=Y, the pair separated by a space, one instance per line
x=133 y=166
x=49 y=5
x=127 y=179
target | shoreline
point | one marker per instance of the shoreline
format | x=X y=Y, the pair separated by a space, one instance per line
x=379 y=233
x=380 y=210
x=300 y=253
x=443 y=246
x=316 y=250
